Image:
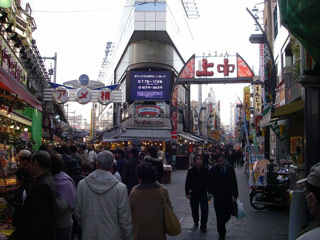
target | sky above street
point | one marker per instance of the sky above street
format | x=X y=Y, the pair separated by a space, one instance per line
x=78 y=30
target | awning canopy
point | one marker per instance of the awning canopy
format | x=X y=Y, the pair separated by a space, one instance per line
x=147 y=134
x=17 y=117
x=189 y=137
x=302 y=19
x=288 y=109
x=10 y=84
x=264 y=122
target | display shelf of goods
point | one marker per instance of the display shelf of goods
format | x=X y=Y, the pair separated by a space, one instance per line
x=7 y=170
x=6 y=215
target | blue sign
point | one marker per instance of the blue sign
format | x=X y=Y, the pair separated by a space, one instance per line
x=152 y=86
x=84 y=79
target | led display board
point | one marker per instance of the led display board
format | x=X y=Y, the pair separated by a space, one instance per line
x=150 y=85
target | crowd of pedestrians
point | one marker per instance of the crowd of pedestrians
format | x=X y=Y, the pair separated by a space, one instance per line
x=75 y=192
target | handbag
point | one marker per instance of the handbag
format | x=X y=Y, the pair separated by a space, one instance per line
x=171 y=222
x=241 y=211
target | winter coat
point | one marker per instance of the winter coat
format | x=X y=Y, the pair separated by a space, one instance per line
x=129 y=173
x=147 y=208
x=102 y=208
x=157 y=162
x=196 y=181
x=223 y=187
x=38 y=218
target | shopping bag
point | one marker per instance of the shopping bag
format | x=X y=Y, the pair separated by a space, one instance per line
x=241 y=212
x=171 y=222
x=234 y=208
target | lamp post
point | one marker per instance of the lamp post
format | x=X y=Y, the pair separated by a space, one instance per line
x=262 y=39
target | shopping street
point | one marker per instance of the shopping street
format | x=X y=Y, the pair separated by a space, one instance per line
x=265 y=224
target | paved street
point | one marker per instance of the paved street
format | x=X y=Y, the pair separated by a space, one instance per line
x=266 y=224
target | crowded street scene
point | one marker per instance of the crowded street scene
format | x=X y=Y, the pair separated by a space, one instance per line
x=159 y=119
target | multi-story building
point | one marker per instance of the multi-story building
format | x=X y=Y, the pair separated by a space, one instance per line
x=148 y=53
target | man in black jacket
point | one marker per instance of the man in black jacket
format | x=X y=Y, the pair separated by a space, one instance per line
x=222 y=183
x=38 y=213
x=196 y=191
x=129 y=173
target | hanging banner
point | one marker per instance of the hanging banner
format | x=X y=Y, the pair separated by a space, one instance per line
x=257 y=91
x=246 y=102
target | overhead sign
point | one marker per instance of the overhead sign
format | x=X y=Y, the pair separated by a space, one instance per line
x=83 y=95
x=84 y=80
x=105 y=96
x=61 y=95
x=216 y=69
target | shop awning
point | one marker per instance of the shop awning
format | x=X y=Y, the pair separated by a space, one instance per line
x=302 y=19
x=191 y=137
x=264 y=122
x=17 y=117
x=10 y=84
x=147 y=134
x=288 y=109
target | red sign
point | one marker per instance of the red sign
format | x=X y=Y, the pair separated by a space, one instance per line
x=174 y=135
x=148 y=110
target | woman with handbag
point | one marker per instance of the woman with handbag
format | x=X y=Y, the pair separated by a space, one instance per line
x=150 y=203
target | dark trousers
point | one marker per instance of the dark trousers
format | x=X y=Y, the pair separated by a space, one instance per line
x=222 y=219
x=223 y=208
x=195 y=201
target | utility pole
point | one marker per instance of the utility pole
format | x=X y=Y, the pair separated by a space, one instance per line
x=54 y=68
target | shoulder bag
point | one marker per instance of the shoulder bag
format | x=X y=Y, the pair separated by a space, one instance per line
x=171 y=222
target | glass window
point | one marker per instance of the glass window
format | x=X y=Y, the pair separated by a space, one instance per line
x=150 y=7
x=275 y=22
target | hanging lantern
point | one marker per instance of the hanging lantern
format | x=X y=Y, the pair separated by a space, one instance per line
x=5 y=3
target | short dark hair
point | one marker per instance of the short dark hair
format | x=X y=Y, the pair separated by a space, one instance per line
x=43 y=158
x=86 y=167
x=315 y=190
x=147 y=172
x=57 y=164
x=195 y=156
x=153 y=152
x=121 y=152
x=73 y=148
x=23 y=174
x=64 y=148
x=134 y=152
x=219 y=155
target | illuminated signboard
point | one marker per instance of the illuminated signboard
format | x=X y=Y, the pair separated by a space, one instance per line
x=152 y=86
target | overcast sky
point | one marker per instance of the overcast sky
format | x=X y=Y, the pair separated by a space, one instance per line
x=78 y=30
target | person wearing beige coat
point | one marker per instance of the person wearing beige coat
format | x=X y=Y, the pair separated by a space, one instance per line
x=147 y=205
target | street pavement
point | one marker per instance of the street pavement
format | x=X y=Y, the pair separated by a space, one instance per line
x=256 y=225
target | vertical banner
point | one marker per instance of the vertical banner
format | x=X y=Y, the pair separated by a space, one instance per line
x=257 y=99
x=246 y=102
x=261 y=61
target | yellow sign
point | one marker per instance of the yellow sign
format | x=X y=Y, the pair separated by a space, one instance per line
x=257 y=99
x=246 y=102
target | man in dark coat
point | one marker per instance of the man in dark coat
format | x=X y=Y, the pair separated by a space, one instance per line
x=196 y=191
x=129 y=173
x=222 y=183
x=152 y=158
x=38 y=217
x=121 y=160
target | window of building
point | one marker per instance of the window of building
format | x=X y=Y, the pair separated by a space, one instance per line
x=150 y=7
x=275 y=22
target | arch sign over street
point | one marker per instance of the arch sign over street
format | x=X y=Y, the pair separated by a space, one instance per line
x=206 y=70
